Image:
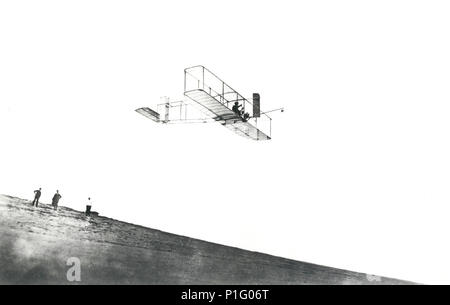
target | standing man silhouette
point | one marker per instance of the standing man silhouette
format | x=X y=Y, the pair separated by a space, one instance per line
x=88 y=207
x=37 y=195
x=55 y=200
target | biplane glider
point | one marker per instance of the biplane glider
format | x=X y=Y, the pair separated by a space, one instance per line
x=209 y=99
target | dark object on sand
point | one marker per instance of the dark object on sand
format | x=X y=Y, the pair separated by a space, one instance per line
x=89 y=212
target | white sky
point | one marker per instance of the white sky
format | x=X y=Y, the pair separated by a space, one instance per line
x=357 y=174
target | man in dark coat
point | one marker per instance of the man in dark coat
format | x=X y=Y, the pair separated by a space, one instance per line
x=55 y=199
x=37 y=195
